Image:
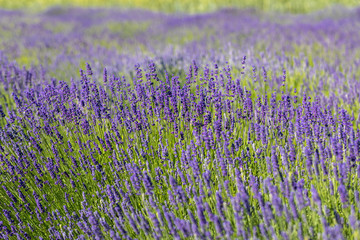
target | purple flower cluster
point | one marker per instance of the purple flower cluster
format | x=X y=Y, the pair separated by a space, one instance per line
x=222 y=146
x=173 y=158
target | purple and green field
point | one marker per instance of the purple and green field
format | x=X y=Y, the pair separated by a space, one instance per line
x=134 y=124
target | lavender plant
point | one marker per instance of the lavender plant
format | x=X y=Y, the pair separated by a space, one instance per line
x=197 y=149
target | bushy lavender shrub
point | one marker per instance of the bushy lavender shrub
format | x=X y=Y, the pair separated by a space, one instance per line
x=202 y=149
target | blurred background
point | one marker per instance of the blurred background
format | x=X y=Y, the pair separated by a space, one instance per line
x=317 y=42
x=188 y=6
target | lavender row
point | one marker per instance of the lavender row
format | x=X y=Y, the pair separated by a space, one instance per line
x=318 y=50
x=160 y=157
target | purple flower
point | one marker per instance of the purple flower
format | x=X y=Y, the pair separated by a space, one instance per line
x=105 y=76
x=88 y=70
x=343 y=193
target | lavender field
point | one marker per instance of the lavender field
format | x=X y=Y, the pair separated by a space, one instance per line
x=234 y=124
